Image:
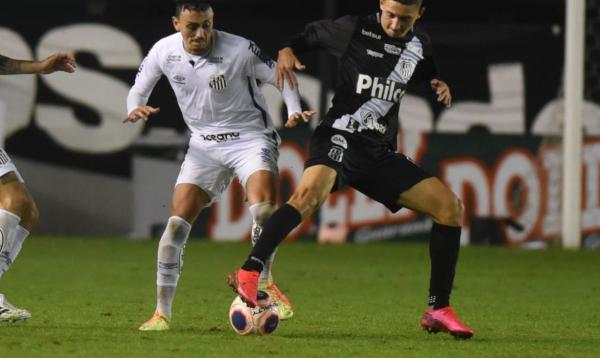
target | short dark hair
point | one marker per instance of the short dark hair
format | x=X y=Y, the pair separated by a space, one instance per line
x=410 y=2
x=191 y=5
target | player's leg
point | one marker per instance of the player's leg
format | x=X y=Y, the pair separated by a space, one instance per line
x=18 y=214
x=315 y=185
x=436 y=200
x=187 y=202
x=260 y=191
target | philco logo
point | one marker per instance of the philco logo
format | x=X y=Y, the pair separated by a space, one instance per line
x=218 y=83
x=370 y=34
x=385 y=89
x=179 y=79
x=339 y=140
x=219 y=138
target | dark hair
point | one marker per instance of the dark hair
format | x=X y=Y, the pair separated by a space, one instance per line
x=410 y=2
x=192 y=5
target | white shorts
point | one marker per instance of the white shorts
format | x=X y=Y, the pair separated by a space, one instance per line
x=7 y=166
x=211 y=162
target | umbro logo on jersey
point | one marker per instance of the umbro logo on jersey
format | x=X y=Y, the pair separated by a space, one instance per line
x=381 y=88
x=370 y=34
x=374 y=54
x=179 y=79
x=218 y=83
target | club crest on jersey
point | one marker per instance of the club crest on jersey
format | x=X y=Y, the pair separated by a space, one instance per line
x=336 y=153
x=339 y=140
x=407 y=68
x=218 y=82
x=381 y=88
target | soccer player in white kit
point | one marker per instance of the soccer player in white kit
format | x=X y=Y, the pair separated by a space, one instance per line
x=214 y=76
x=18 y=212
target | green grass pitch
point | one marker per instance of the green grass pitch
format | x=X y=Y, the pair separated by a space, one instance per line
x=88 y=296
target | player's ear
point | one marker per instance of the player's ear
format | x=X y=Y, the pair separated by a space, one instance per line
x=175 y=21
x=421 y=11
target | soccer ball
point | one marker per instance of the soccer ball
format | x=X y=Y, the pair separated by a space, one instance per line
x=258 y=320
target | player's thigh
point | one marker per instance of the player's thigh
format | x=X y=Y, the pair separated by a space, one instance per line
x=435 y=199
x=201 y=181
x=260 y=187
x=255 y=163
x=383 y=175
x=314 y=187
x=188 y=201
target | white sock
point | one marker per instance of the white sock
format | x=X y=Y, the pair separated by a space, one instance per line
x=261 y=212
x=170 y=262
x=8 y=226
x=20 y=235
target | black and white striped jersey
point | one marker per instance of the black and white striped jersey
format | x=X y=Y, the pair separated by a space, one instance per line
x=373 y=73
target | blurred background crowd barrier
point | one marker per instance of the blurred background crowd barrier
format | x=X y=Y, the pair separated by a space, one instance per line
x=498 y=147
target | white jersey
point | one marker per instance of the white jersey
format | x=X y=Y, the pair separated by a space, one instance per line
x=217 y=93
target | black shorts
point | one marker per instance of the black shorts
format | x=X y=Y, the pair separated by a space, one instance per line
x=374 y=170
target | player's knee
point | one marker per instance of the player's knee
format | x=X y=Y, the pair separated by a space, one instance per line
x=17 y=201
x=261 y=212
x=306 y=200
x=176 y=233
x=451 y=213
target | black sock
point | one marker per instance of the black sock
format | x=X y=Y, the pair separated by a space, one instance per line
x=279 y=225
x=443 y=252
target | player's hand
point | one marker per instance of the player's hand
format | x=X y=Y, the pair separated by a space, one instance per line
x=442 y=92
x=58 y=62
x=286 y=63
x=142 y=112
x=298 y=117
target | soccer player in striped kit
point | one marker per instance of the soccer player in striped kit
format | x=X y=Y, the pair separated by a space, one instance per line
x=379 y=57
x=214 y=76
x=18 y=212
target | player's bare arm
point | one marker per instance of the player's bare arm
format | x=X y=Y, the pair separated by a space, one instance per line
x=56 y=62
x=297 y=117
x=141 y=112
x=442 y=92
x=286 y=63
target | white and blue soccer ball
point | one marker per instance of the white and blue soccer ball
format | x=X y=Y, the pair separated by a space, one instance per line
x=258 y=320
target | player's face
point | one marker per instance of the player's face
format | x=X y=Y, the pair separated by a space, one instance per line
x=196 y=29
x=398 y=19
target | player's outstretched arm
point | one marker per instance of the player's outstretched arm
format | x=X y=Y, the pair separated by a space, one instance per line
x=56 y=62
x=286 y=63
x=442 y=92
x=141 y=112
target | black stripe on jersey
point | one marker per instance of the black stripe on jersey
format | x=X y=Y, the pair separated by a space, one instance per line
x=262 y=111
